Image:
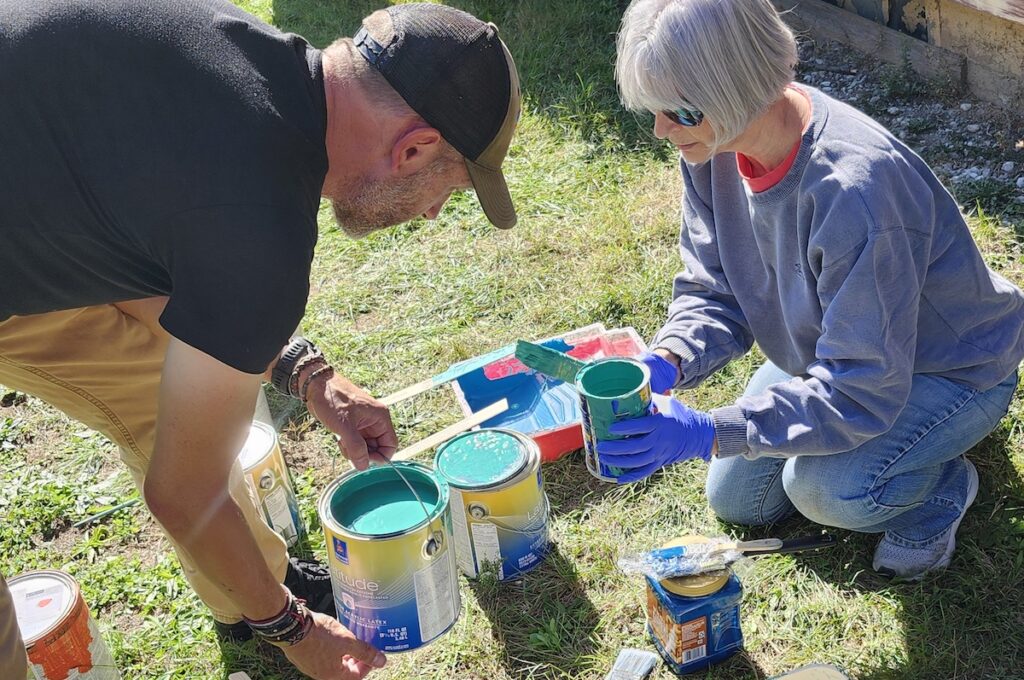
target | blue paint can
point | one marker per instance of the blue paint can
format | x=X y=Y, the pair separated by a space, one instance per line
x=695 y=620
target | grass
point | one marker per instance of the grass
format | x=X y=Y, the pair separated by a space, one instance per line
x=598 y=204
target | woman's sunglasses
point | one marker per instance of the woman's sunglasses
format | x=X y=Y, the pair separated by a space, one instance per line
x=685 y=117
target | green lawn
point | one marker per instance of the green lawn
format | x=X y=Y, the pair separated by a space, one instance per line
x=598 y=204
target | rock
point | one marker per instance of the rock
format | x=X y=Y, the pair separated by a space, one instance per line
x=966 y=106
x=973 y=127
x=1008 y=166
x=1020 y=182
x=893 y=110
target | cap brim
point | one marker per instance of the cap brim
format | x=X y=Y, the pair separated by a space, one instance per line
x=492 y=192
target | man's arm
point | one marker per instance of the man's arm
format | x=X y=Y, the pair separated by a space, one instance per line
x=205 y=411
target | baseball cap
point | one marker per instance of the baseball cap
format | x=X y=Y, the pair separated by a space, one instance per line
x=454 y=71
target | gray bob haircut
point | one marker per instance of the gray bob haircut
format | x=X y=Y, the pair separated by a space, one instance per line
x=730 y=59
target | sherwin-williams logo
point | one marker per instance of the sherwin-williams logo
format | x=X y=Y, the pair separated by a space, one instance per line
x=341 y=549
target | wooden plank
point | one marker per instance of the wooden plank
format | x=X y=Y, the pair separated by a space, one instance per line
x=827 y=21
x=930 y=61
x=1012 y=10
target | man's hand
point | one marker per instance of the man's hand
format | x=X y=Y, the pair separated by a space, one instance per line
x=331 y=652
x=362 y=424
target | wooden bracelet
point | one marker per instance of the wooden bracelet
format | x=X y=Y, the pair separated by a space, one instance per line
x=304 y=390
x=302 y=364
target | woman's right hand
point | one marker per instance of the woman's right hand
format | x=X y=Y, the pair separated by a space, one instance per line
x=330 y=652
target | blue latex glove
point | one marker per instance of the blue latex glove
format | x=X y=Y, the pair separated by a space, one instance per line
x=664 y=374
x=657 y=440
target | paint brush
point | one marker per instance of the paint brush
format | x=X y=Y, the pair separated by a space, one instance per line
x=550 y=362
x=633 y=664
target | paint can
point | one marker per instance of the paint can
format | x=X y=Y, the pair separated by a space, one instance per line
x=694 y=621
x=61 y=638
x=267 y=475
x=499 y=508
x=389 y=548
x=610 y=390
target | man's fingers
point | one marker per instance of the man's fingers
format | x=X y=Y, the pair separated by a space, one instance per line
x=354 y=448
x=637 y=474
x=381 y=429
x=365 y=653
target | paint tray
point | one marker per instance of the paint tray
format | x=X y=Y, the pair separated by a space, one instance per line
x=543 y=408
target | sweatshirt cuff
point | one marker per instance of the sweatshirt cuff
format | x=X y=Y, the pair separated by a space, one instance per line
x=686 y=357
x=730 y=431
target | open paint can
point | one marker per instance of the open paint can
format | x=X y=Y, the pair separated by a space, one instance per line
x=610 y=390
x=499 y=509
x=389 y=548
x=60 y=636
x=267 y=475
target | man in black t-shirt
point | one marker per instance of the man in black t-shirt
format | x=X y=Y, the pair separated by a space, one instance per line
x=162 y=168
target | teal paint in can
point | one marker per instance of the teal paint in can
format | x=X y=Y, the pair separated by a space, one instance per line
x=391 y=556
x=610 y=390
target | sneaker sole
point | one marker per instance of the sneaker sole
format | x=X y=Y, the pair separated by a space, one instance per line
x=947 y=555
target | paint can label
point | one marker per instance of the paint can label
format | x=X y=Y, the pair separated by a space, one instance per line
x=400 y=610
x=394 y=578
x=499 y=509
x=266 y=473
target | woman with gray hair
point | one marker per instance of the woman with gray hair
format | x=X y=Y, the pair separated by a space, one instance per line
x=810 y=229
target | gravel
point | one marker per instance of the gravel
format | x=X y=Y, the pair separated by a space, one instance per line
x=976 y=148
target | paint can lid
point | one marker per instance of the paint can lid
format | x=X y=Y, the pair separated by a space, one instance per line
x=42 y=600
x=699 y=585
x=259 y=442
x=481 y=459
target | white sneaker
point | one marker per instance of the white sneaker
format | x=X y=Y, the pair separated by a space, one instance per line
x=911 y=564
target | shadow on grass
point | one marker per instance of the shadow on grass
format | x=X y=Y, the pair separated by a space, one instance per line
x=966 y=622
x=544 y=623
x=564 y=52
x=962 y=623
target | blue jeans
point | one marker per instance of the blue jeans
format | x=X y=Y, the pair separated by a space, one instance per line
x=910 y=482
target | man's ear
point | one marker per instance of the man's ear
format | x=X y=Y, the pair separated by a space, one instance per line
x=414 y=150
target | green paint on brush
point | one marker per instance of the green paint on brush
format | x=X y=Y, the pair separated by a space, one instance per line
x=550 y=362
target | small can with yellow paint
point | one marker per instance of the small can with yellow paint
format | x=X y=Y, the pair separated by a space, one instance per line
x=390 y=553
x=499 y=508
x=610 y=390
x=266 y=473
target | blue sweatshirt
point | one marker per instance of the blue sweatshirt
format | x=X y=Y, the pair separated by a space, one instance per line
x=853 y=273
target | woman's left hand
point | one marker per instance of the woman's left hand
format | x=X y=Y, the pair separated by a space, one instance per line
x=657 y=440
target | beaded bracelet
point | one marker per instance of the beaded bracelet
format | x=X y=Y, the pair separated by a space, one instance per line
x=287 y=628
x=302 y=364
x=304 y=390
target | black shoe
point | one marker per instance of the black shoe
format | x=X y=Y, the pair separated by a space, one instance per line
x=311 y=581
x=232 y=632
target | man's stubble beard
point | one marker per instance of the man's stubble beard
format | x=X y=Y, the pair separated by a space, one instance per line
x=366 y=205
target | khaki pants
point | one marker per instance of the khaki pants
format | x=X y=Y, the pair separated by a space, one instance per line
x=102 y=367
